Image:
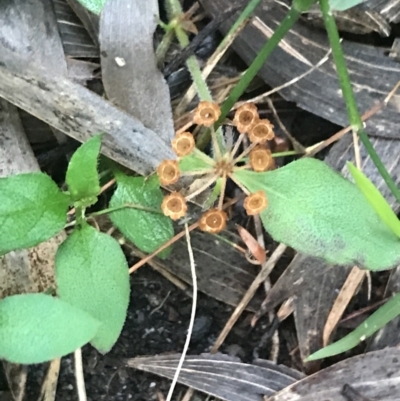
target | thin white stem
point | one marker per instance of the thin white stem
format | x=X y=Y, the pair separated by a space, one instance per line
x=192 y=316
x=204 y=157
x=196 y=172
x=184 y=128
x=245 y=152
x=236 y=147
x=217 y=150
x=202 y=188
x=239 y=184
x=222 y=193
x=80 y=378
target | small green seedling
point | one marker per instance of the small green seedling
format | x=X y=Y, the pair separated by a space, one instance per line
x=91 y=270
x=36 y=328
x=370 y=326
x=305 y=205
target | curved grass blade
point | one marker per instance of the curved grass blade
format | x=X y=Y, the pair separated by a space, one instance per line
x=377 y=320
x=375 y=198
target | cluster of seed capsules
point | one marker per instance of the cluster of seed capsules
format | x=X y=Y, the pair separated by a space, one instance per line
x=257 y=155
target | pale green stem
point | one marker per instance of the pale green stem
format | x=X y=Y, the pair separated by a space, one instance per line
x=348 y=94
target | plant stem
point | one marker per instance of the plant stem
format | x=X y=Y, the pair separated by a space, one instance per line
x=193 y=67
x=214 y=194
x=222 y=194
x=202 y=188
x=80 y=215
x=80 y=379
x=248 y=10
x=287 y=153
x=192 y=315
x=348 y=94
x=126 y=206
x=174 y=9
x=291 y=17
x=163 y=46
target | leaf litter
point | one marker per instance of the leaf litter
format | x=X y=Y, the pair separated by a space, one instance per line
x=377 y=358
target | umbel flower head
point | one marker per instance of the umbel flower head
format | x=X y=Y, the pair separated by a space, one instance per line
x=255 y=203
x=261 y=131
x=183 y=144
x=213 y=221
x=174 y=206
x=245 y=116
x=261 y=159
x=168 y=172
x=206 y=113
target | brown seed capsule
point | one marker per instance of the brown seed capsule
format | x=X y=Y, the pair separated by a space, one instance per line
x=261 y=159
x=261 y=131
x=206 y=113
x=213 y=221
x=245 y=117
x=174 y=206
x=168 y=172
x=183 y=144
x=255 y=203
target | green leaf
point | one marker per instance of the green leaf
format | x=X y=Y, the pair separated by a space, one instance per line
x=92 y=274
x=95 y=6
x=147 y=230
x=375 y=198
x=36 y=328
x=342 y=5
x=316 y=211
x=371 y=325
x=82 y=176
x=196 y=161
x=32 y=210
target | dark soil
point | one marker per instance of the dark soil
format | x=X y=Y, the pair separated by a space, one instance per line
x=157 y=321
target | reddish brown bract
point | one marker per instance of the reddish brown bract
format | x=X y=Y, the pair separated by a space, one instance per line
x=168 y=172
x=261 y=159
x=174 y=206
x=206 y=113
x=255 y=203
x=183 y=144
x=245 y=116
x=261 y=131
x=213 y=221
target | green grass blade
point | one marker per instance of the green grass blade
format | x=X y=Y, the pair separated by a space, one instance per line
x=348 y=94
x=287 y=23
x=375 y=198
x=376 y=321
x=342 y=5
x=290 y=19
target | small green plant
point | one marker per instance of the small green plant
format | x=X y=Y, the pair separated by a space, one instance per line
x=305 y=205
x=91 y=270
x=310 y=207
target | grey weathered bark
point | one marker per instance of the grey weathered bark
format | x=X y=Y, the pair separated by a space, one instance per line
x=131 y=78
x=80 y=113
